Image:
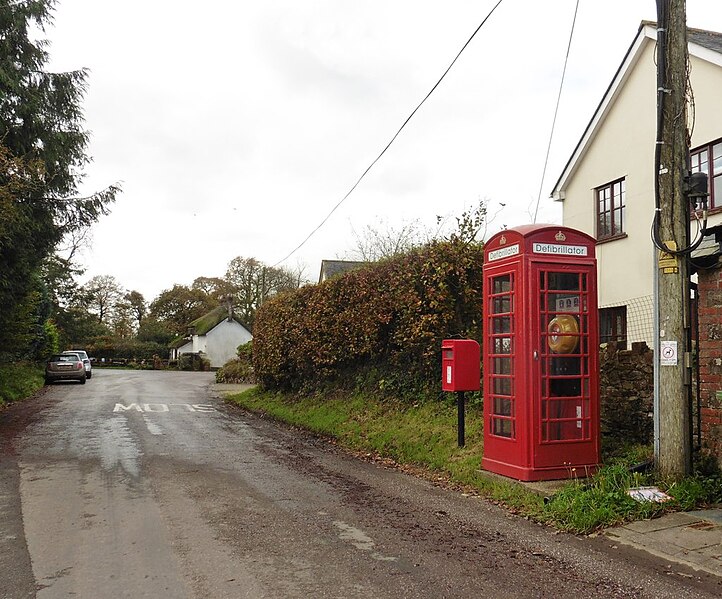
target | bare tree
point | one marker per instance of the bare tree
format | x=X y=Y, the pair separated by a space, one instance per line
x=375 y=242
x=102 y=293
x=253 y=283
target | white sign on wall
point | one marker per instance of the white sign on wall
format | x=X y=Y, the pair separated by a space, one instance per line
x=668 y=353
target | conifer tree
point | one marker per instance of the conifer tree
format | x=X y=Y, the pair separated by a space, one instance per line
x=43 y=155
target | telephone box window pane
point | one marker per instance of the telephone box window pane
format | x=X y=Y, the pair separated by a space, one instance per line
x=502 y=386
x=502 y=406
x=564 y=421
x=564 y=281
x=502 y=324
x=502 y=284
x=502 y=345
x=564 y=302
x=502 y=365
x=503 y=428
x=565 y=387
x=501 y=305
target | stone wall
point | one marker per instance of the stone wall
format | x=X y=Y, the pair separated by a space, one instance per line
x=626 y=390
x=710 y=359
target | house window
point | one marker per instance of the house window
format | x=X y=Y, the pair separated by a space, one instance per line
x=610 y=209
x=708 y=160
x=613 y=326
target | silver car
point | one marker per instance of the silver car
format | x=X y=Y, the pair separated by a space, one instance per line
x=83 y=356
x=64 y=367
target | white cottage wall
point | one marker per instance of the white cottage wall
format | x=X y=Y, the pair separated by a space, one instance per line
x=222 y=341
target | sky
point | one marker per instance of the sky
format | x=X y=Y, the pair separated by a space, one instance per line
x=234 y=127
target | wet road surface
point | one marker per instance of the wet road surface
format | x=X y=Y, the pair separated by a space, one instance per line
x=143 y=484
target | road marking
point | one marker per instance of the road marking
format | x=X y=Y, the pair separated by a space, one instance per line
x=359 y=539
x=153 y=428
x=165 y=407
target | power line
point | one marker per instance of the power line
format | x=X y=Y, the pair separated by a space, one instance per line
x=388 y=145
x=556 y=111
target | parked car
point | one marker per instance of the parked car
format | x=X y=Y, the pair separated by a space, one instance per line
x=65 y=367
x=86 y=360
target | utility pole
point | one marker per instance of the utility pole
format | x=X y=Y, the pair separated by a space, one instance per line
x=673 y=456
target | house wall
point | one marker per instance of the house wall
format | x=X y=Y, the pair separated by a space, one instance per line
x=624 y=147
x=706 y=81
x=183 y=349
x=199 y=343
x=222 y=341
x=710 y=360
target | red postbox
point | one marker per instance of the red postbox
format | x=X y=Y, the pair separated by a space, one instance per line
x=541 y=354
x=460 y=365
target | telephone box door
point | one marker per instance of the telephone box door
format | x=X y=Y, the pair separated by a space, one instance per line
x=564 y=365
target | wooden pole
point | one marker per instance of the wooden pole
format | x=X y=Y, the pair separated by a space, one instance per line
x=674 y=447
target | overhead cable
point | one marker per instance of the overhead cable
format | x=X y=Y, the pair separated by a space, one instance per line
x=556 y=111
x=388 y=145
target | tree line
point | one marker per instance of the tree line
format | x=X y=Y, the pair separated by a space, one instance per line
x=44 y=220
x=103 y=310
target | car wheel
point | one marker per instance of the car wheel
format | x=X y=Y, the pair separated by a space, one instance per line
x=89 y=375
x=48 y=381
x=82 y=381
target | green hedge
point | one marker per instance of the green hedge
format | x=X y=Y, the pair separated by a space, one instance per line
x=125 y=349
x=19 y=380
x=390 y=316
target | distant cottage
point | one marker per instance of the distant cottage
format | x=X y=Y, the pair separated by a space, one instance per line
x=216 y=335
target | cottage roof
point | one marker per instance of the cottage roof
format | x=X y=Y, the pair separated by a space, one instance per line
x=205 y=323
x=706 y=45
x=333 y=268
x=178 y=342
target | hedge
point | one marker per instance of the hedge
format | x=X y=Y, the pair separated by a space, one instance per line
x=390 y=315
x=125 y=349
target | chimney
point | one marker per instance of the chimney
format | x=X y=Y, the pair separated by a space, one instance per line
x=229 y=306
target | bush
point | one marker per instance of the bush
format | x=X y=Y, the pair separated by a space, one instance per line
x=193 y=362
x=392 y=314
x=131 y=350
x=18 y=381
x=236 y=371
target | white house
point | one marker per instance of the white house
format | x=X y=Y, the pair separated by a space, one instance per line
x=217 y=335
x=607 y=186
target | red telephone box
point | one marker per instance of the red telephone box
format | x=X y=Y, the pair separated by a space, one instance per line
x=541 y=354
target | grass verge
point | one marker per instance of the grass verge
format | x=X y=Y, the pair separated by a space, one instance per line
x=423 y=436
x=18 y=381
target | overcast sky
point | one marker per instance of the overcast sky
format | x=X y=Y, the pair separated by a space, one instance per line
x=234 y=126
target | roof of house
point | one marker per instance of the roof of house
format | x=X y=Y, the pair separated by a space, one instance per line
x=703 y=44
x=709 y=251
x=178 y=342
x=333 y=268
x=208 y=321
x=707 y=39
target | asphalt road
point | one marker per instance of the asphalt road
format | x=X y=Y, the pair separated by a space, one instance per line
x=143 y=484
